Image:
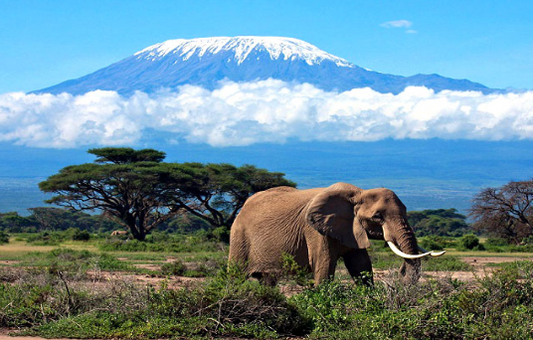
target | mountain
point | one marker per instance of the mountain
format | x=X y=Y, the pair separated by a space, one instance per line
x=206 y=61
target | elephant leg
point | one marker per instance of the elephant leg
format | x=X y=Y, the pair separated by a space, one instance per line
x=324 y=271
x=359 y=266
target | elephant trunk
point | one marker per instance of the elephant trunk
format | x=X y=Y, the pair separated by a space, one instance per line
x=405 y=245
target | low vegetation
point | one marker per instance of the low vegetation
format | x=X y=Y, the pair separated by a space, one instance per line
x=50 y=304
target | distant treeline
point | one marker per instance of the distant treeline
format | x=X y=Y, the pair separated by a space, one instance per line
x=57 y=219
x=440 y=222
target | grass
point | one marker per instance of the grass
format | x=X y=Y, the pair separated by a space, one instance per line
x=228 y=305
x=35 y=297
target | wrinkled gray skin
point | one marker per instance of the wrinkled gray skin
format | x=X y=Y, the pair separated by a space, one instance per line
x=317 y=227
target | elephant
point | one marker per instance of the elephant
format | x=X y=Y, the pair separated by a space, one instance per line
x=318 y=227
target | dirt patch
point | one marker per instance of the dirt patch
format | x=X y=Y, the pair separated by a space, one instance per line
x=11 y=334
x=148 y=266
x=480 y=261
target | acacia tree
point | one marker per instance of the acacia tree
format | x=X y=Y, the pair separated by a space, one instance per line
x=140 y=191
x=216 y=192
x=126 y=184
x=505 y=212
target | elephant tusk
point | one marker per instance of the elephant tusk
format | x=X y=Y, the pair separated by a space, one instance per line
x=400 y=253
x=432 y=253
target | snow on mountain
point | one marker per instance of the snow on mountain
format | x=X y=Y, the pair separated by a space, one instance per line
x=206 y=61
x=241 y=48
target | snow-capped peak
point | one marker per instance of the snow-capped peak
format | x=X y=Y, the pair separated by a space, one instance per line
x=241 y=47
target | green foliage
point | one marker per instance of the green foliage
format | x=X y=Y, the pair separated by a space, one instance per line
x=329 y=305
x=294 y=271
x=436 y=242
x=126 y=155
x=387 y=260
x=184 y=223
x=54 y=219
x=440 y=222
x=164 y=242
x=510 y=248
x=496 y=242
x=82 y=260
x=4 y=237
x=174 y=268
x=221 y=234
x=470 y=242
x=142 y=192
x=47 y=238
x=14 y=223
x=495 y=307
x=445 y=263
x=216 y=192
x=499 y=308
x=228 y=306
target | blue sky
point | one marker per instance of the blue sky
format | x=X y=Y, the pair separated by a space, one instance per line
x=46 y=42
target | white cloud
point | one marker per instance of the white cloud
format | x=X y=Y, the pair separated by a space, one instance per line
x=262 y=111
x=397 y=24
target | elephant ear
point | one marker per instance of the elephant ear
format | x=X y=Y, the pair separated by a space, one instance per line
x=331 y=213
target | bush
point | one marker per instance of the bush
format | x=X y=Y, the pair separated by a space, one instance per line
x=293 y=271
x=81 y=235
x=496 y=242
x=47 y=238
x=4 y=237
x=174 y=268
x=432 y=243
x=470 y=242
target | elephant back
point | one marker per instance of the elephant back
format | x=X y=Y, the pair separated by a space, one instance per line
x=270 y=223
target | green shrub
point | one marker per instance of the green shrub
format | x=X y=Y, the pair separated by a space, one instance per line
x=4 y=237
x=221 y=234
x=496 y=242
x=47 y=238
x=432 y=243
x=293 y=271
x=174 y=268
x=81 y=235
x=469 y=241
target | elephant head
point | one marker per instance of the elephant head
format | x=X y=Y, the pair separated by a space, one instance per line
x=352 y=216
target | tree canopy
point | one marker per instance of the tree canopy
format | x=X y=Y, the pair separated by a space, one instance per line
x=216 y=192
x=439 y=222
x=505 y=212
x=140 y=191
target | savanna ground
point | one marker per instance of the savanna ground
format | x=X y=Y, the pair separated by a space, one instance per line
x=180 y=288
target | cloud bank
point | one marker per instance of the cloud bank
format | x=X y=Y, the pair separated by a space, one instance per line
x=264 y=111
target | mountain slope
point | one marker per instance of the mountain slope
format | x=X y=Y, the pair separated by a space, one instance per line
x=206 y=61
